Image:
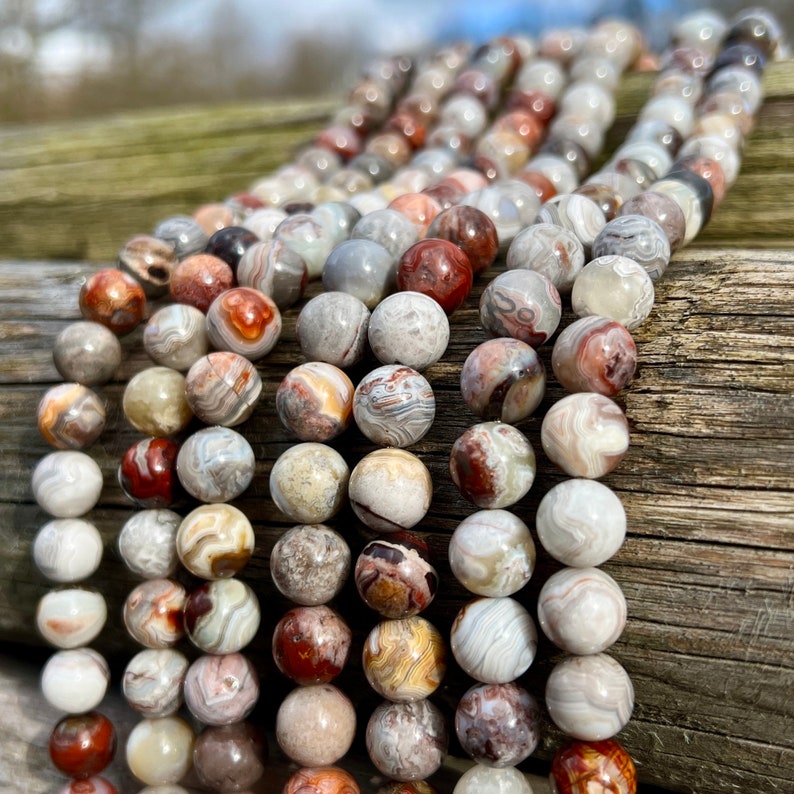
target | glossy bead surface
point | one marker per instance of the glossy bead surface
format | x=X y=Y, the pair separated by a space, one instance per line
x=361 y=268
x=186 y=236
x=582 y=610
x=154 y=402
x=663 y=210
x=510 y=204
x=394 y=406
x=585 y=434
x=215 y=464
x=491 y=553
x=498 y=724
x=230 y=758
x=160 y=752
x=153 y=613
x=304 y=235
x=221 y=689
x=395 y=576
x=66 y=483
x=578 y=767
x=83 y=745
x=390 y=489
x=332 y=327
x=575 y=213
x=199 y=279
x=147 y=543
x=581 y=522
x=150 y=262
x=230 y=243
x=275 y=269
x=503 y=379
x=87 y=353
x=311 y=644
x=309 y=564
x=315 y=725
x=308 y=482
x=552 y=251
x=405 y=659
x=114 y=299
x=494 y=639
x=244 y=321
x=480 y=778
x=471 y=230
x=67 y=549
x=70 y=416
x=636 y=237
x=492 y=464
x=222 y=616
x=694 y=196
x=153 y=680
x=89 y=785
x=176 y=336
x=75 y=680
x=147 y=472
x=321 y=780
x=71 y=617
x=389 y=228
x=589 y=697
x=409 y=328
x=223 y=388
x=407 y=741
x=419 y=208
x=522 y=304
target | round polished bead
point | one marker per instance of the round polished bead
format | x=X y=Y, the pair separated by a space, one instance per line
x=498 y=725
x=419 y=208
x=147 y=543
x=737 y=80
x=585 y=434
x=67 y=549
x=703 y=28
x=176 y=336
x=215 y=541
x=654 y=132
x=244 y=321
x=662 y=209
x=464 y=112
x=494 y=639
x=407 y=741
x=394 y=406
x=153 y=613
x=361 y=268
x=408 y=787
x=315 y=725
x=636 y=237
x=70 y=416
x=230 y=243
x=388 y=228
x=742 y=55
x=589 y=697
x=230 y=757
x=308 y=482
x=337 y=217
x=503 y=379
x=314 y=401
x=87 y=353
x=694 y=196
x=332 y=327
x=71 y=617
x=716 y=149
x=311 y=644
x=160 y=752
x=582 y=610
x=558 y=170
x=671 y=110
x=114 y=299
x=500 y=153
x=492 y=464
x=309 y=564
x=542 y=74
x=223 y=388
x=481 y=778
x=221 y=689
x=408 y=328
x=222 y=616
x=199 y=279
x=550 y=250
x=575 y=213
x=83 y=745
x=153 y=680
x=215 y=464
x=321 y=780
x=306 y=236
x=184 y=234
x=579 y=767
x=274 y=269
x=709 y=169
x=491 y=553
x=213 y=216
x=67 y=483
x=390 y=489
x=471 y=230
x=147 y=472
x=150 y=262
x=90 y=785
x=154 y=402
x=655 y=155
x=511 y=204
x=75 y=680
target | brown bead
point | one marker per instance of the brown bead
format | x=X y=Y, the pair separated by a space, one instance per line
x=230 y=757
x=70 y=416
x=410 y=126
x=343 y=140
x=471 y=230
x=213 y=217
x=537 y=103
x=114 y=299
x=199 y=279
x=83 y=745
x=393 y=146
x=522 y=123
x=150 y=262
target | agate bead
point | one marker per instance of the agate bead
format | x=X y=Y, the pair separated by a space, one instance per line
x=419 y=208
x=153 y=680
x=67 y=483
x=550 y=250
x=471 y=230
x=147 y=543
x=274 y=269
x=90 y=785
x=581 y=522
x=389 y=228
x=480 y=779
x=70 y=416
x=390 y=489
x=309 y=564
x=215 y=541
x=510 y=204
x=491 y=553
x=585 y=434
x=498 y=725
x=321 y=780
x=223 y=388
x=222 y=616
x=230 y=757
x=82 y=745
x=304 y=235
x=71 y=617
x=579 y=767
x=332 y=327
x=636 y=237
x=408 y=787
x=150 y=261
x=154 y=402
x=407 y=741
x=308 y=482
x=199 y=279
x=75 y=680
x=153 y=613
x=147 y=472
x=315 y=725
x=160 y=752
x=87 y=353
x=311 y=644
x=114 y=299
x=67 y=549
x=176 y=336
x=394 y=406
x=361 y=268
x=492 y=464
x=221 y=689
x=215 y=464
x=589 y=697
x=184 y=234
x=230 y=244
x=694 y=196
x=503 y=379
x=244 y=321
x=576 y=214
x=395 y=576
x=494 y=640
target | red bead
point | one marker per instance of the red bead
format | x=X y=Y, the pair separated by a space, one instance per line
x=92 y=785
x=472 y=231
x=524 y=124
x=419 y=208
x=199 y=279
x=542 y=185
x=582 y=767
x=439 y=269
x=147 y=473
x=114 y=299
x=446 y=195
x=537 y=103
x=343 y=140
x=410 y=126
x=83 y=745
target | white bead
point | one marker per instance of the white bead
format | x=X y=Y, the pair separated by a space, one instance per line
x=72 y=617
x=67 y=483
x=160 y=752
x=67 y=549
x=147 y=543
x=490 y=780
x=76 y=680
